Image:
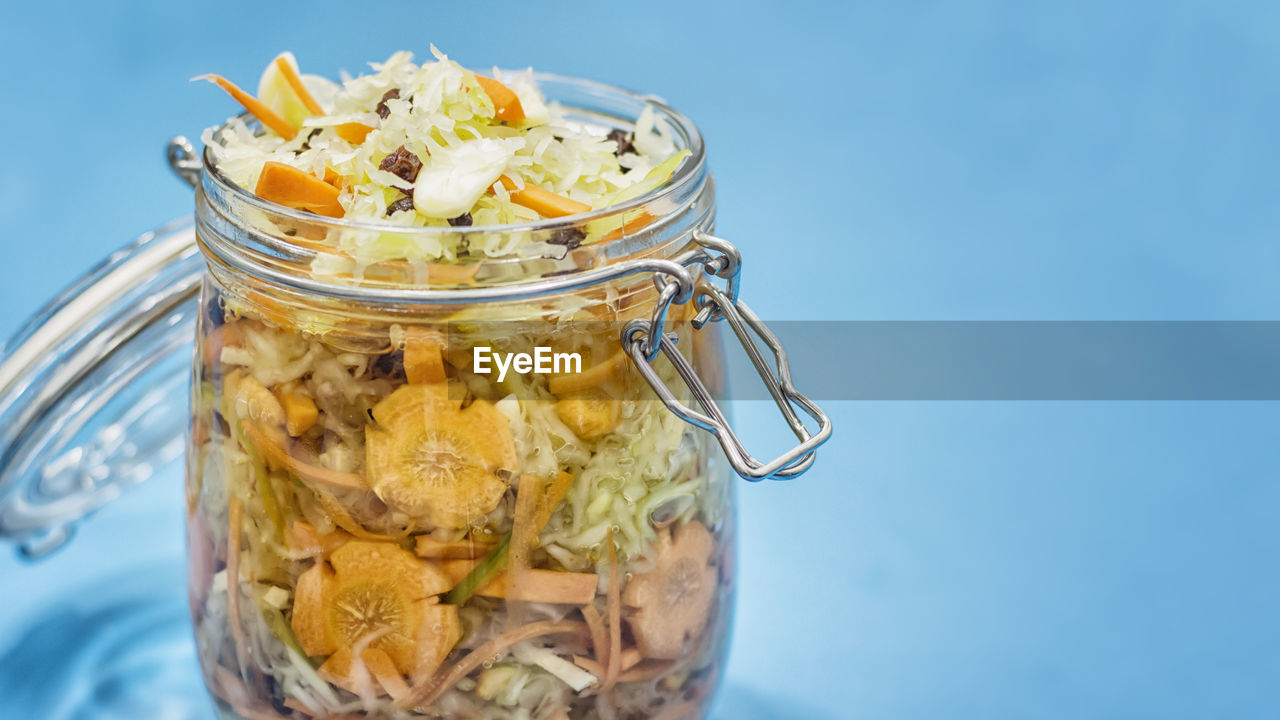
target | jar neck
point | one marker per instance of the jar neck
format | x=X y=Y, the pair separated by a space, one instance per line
x=303 y=257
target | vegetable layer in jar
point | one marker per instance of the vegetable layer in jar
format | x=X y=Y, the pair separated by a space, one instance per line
x=378 y=529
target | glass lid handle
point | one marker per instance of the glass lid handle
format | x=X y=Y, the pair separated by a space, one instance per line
x=93 y=388
x=644 y=339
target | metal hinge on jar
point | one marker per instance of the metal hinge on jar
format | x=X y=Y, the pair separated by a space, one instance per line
x=644 y=340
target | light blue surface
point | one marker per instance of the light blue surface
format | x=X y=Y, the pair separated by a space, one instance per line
x=943 y=160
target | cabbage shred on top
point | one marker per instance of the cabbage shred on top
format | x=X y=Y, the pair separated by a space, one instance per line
x=438 y=114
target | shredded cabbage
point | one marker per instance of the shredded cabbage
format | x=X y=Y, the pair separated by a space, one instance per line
x=572 y=675
x=647 y=461
x=443 y=116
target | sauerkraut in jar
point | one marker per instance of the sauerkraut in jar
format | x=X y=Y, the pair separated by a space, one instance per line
x=391 y=514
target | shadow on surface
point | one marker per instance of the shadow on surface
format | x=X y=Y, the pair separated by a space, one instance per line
x=121 y=649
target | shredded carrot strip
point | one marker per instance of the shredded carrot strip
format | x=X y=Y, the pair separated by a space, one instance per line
x=303 y=538
x=381 y=667
x=522 y=532
x=353 y=132
x=427 y=691
x=592 y=376
x=548 y=500
x=311 y=474
x=535 y=502
x=470 y=549
x=235 y=520
x=637 y=673
x=599 y=640
x=557 y=587
x=506 y=104
x=615 y=620
x=630 y=658
x=589 y=665
x=634 y=225
x=423 y=356
x=291 y=187
x=299 y=89
x=543 y=202
x=254 y=106
x=343 y=519
x=300 y=412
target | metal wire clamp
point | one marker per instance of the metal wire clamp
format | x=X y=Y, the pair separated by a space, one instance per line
x=644 y=339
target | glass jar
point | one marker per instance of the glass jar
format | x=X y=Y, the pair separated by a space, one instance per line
x=489 y=488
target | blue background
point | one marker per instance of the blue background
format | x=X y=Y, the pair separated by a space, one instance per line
x=907 y=160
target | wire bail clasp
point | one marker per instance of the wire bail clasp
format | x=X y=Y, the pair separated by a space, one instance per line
x=644 y=339
x=183 y=160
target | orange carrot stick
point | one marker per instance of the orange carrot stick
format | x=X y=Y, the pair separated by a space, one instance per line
x=300 y=412
x=332 y=177
x=592 y=376
x=280 y=453
x=383 y=669
x=634 y=225
x=638 y=672
x=535 y=502
x=343 y=519
x=523 y=534
x=506 y=104
x=550 y=499
x=543 y=202
x=290 y=186
x=235 y=523
x=299 y=89
x=433 y=549
x=253 y=105
x=556 y=587
x=353 y=132
x=425 y=692
x=423 y=356
x=614 y=666
x=599 y=638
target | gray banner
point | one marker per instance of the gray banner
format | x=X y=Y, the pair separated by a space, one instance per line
x=993 y=360
x=1032 y=360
